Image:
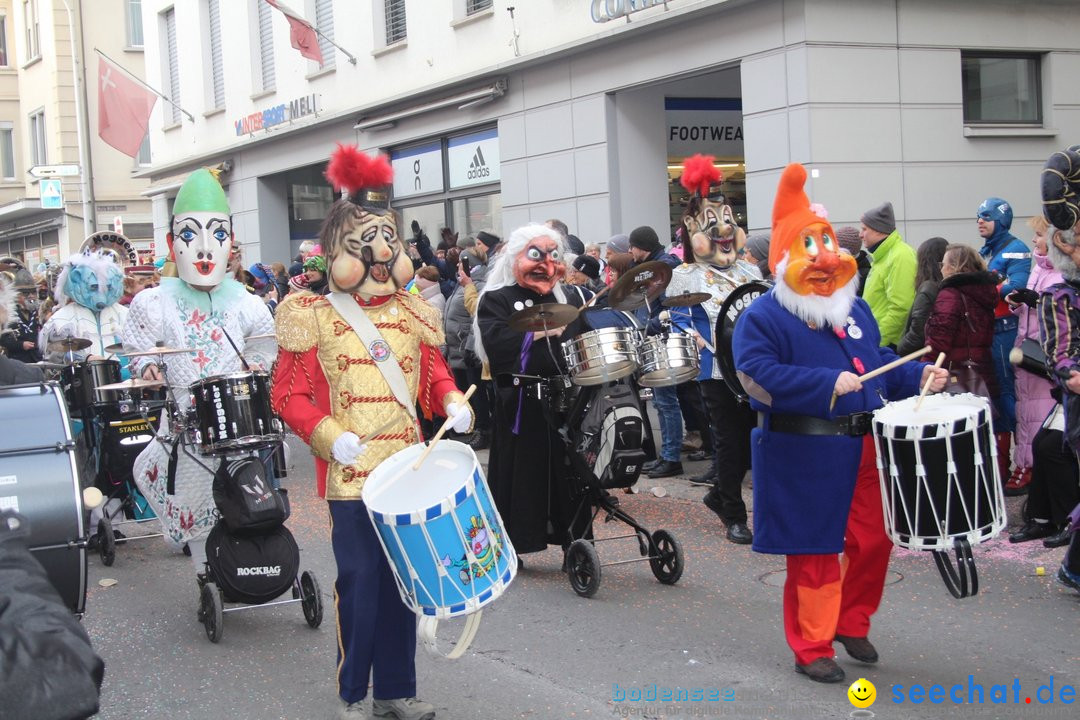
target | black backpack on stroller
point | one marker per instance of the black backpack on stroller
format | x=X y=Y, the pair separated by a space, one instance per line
x=611 y=436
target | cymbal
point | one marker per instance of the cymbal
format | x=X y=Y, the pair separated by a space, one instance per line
x=69 y=344
x=115 y=348
x=644 y=282
x=687 y=299
x=547 y=316
x=132 y=384
x=158 y=351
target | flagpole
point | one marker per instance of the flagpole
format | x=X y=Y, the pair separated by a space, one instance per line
x=160 y=94
x=81 y=129
x=352 y=58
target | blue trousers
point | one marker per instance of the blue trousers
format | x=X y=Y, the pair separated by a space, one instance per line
x=666 y=400
x=1003 y=370
x=376 y=631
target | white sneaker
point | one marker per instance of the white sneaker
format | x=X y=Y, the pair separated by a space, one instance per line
x=353 y=711
x=403 y=709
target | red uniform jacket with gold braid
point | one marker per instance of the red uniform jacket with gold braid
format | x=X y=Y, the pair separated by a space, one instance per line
x=326 y=382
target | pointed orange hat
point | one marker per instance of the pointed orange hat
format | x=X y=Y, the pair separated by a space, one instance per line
x=791 y=213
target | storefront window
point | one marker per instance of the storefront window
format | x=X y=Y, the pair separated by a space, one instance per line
x=470 y=215
x=310 y=198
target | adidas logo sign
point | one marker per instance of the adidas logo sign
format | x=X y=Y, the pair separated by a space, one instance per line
x=478 y=167
x=267 y=570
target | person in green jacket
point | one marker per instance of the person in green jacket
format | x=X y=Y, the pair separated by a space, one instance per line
x=890 y=286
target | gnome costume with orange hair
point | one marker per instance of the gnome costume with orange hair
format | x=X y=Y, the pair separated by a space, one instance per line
x=816 y=491
x=354 y=364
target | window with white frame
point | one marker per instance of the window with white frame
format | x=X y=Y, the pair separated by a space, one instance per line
x=3 y=41
x=134 y=23
x=30 y=21
x=172 y=68
x=143 y=158
x=324 y=21
x=265 y=78
x=7 y=150
x=394 y=16
x=1001 y=88
x=38 y=151
x=475 y=6
x=216 y=89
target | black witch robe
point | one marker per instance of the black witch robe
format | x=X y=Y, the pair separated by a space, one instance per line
x=527 y=469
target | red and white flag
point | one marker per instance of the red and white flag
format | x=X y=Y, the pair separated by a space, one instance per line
x=301 y=33
x=124 y=109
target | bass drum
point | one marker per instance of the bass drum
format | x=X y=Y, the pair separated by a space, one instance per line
x=734 y=305
x=38 y=478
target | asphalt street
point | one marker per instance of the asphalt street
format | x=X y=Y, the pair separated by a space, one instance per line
x=543 y=652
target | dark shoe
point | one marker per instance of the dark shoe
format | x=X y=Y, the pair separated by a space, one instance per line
x=1018 y=482
x=691 y=440
x=1067 y=578
x=706 y=478
x=859 y=648
x=697 y=456
x=1032 y=530
x=712 y=501
x=739 y=534
x=666 y=468
x=651 y=465
x=822 y=670
x=1059 y=539
x=403 y=709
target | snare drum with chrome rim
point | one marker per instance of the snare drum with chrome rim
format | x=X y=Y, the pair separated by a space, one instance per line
x=232 y=412
x=668 y=360
x=601 y=356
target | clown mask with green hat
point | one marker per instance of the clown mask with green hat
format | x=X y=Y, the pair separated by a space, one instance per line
x=200 y=232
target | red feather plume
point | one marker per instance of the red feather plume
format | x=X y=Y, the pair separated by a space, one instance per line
x=351 y=170
x=699 y=173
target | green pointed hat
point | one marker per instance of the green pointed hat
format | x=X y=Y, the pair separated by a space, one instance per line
x=201 y=192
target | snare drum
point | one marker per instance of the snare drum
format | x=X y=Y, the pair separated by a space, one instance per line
x=601 y=356
x=441 y=532
x=939 y=472
x=232 y=412
x=668 y=360
x=38 y=478
x=81 y=380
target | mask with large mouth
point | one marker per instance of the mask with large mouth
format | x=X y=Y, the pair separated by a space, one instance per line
x=715 y=238
x=370 y=259
x=539 y=266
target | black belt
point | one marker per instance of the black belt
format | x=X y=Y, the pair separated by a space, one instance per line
x=854 y=425
x=513 y=380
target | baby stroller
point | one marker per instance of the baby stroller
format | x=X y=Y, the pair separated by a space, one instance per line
x=607 y=437
x=251 y=557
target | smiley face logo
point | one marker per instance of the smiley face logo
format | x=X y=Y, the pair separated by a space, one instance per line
x=862 y=693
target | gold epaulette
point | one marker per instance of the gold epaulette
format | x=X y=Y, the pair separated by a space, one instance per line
x=295 y=323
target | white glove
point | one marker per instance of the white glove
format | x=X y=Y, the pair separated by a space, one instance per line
x=347 y=448
x=460 y=417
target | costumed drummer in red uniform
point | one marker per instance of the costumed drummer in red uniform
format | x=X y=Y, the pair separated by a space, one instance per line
x=816 y=489
x=352 y=367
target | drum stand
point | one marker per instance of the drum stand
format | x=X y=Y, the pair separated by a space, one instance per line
x=963 y=580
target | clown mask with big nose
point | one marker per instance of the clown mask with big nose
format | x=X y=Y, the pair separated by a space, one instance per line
x=539 y=266
x=715 y=238
x=369 y=259
x=200 y=243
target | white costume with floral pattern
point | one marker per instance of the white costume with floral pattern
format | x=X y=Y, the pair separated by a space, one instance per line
x=180 y=317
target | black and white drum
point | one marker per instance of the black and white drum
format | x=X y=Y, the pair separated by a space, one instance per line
x=82 y=379
x=232 y=413
x=38 y=478
x=600 y=356
x=734 y=306
x=668 y=360
x=940 y=487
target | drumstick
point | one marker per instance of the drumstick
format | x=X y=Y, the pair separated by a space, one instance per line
x=886 y=368
x=594 y=298
x=929 y=381
x=442 y=431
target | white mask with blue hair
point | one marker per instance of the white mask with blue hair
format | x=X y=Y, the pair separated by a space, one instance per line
x=93 y=280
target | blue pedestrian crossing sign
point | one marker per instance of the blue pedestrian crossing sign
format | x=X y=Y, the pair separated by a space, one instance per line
x=52 y=194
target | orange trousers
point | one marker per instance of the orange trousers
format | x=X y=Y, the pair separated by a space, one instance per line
x=829 y=594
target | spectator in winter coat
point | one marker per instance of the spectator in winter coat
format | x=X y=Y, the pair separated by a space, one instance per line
x=1033 y=400
x=961 y=325
x=757 y=252
x=927 y=281
x=848 y=237
x=1006 y=255
x=890 y=287
x=427 y=279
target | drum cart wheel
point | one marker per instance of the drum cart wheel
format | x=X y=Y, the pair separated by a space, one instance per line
x=211 y=611
x=311 y=599
x=666 y=558
x=106 y=542
x=583 y=568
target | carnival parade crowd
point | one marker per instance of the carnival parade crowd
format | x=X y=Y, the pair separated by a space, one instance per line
x=371 y=335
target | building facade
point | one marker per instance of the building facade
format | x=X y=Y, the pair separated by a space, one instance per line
x=48 y=82
x=584 y=110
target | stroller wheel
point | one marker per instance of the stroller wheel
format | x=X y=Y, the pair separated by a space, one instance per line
x=106 y=542
x=583 y=567
x=667 y=564
x=311 y=599
x=211 y=611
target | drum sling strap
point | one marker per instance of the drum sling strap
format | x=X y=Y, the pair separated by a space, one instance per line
x=348 y=308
